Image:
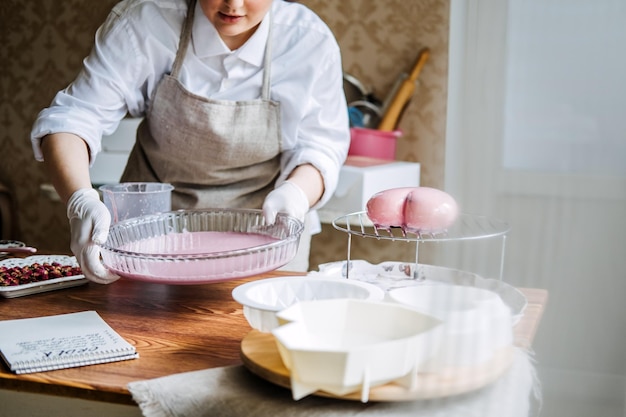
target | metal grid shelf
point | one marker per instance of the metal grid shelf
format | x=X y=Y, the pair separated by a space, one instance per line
x=467 y=226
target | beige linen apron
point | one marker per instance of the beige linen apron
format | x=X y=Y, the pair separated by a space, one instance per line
x=216 y=153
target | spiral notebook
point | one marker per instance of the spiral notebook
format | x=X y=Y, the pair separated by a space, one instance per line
x=63 y=341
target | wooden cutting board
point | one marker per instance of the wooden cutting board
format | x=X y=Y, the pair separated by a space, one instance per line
x=260 y=355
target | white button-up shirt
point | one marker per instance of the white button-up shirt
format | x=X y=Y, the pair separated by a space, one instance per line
x=137 y=44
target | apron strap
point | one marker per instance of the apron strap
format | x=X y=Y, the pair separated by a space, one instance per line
x=185 y=36
x=267 y=63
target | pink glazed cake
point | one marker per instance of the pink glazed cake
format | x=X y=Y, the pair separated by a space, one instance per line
x=414 y=209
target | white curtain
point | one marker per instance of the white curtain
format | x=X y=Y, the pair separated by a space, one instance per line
x=537 y=136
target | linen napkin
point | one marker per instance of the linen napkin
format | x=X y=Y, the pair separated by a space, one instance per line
x=235 y=392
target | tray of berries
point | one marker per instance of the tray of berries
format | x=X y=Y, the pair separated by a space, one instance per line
x=38 y=273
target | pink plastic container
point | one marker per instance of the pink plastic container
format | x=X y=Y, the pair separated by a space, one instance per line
x=373 y=143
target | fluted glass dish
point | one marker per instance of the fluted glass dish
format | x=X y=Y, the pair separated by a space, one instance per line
x=200 y=246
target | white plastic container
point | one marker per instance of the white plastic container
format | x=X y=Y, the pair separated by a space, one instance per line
x=476 y=322
x=344 y=346
x=134 y=199
x=262 y=299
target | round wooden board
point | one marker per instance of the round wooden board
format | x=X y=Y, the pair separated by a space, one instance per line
x=260 y=355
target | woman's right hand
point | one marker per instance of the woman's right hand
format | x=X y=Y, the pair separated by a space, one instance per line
x=89 y=224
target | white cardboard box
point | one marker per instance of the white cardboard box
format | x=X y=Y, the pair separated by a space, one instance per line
x=358 y=183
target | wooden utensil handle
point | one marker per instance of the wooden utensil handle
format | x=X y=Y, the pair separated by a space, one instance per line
x=391 y=117
x=422 y=57
x=405 y=92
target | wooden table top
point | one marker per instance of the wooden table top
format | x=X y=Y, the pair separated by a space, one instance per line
x=174 y=328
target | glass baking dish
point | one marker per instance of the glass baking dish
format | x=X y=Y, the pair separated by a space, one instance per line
x=200 y=246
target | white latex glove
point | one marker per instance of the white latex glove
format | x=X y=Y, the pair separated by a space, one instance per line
x=89 y=225
x=287 y=198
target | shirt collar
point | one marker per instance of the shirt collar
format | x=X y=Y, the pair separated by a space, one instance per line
x=207 y=42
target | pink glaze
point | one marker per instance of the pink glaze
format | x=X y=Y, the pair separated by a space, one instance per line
x=386 y=208
x=429 y=210
x=198 y=243
x=215 y=266
x=414 y=209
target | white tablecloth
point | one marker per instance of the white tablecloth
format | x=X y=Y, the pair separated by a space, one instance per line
x=235 y=392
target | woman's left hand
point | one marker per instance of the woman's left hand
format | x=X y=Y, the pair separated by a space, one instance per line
x=287 y=198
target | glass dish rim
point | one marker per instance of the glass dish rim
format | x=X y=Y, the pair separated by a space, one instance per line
x=203 y=256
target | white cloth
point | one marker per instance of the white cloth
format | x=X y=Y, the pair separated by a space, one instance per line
x=235 y=392
x=137 y=44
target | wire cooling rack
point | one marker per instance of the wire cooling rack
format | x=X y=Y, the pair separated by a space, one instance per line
x=466 y=227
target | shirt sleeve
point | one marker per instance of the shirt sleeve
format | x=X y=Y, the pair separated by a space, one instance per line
x=115 y=80
x=323 y=135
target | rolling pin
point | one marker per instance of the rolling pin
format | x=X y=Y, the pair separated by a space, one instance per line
x=403 y=96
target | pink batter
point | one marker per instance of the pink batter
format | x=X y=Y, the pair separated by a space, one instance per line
x=196 y=271
x=198 y=243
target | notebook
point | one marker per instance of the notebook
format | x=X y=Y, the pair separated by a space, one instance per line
x=63 y=341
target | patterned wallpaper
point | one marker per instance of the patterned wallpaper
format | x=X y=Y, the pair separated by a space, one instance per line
x=379 y=41
x=42 y=44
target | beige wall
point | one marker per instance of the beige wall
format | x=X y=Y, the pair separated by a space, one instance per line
x=380 y=40
x=44 y=41
x=42 y=45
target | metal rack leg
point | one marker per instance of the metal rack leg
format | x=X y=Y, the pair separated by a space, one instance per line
x=502 y=257
x=348 y=256
x=415 y=269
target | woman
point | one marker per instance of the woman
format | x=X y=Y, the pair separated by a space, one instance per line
x=243 y=105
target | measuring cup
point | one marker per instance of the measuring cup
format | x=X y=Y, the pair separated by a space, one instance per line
x=133 y=199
